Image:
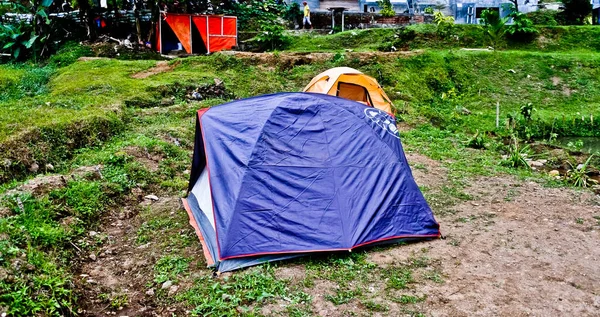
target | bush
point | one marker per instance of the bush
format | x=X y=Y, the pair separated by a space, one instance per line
x=387 y=10
x=445 y=24
x=522 y=28
x=543 y=17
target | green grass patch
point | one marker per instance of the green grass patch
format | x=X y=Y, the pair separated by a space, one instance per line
x=427 y=36
x=241 y=293
x=40 y=234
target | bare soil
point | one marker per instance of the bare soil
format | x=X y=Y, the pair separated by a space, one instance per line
x=161 y=67
x=295 y=59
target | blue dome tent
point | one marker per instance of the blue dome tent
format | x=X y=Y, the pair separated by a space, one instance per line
x=289 y=174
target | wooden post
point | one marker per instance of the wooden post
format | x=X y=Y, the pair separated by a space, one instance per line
x=497 y=114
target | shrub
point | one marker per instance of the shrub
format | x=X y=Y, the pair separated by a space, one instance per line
x=387 y=10
x=445 y=24
x=272 y=37
x=494 y=26
x=522 y=28
x=543 y=17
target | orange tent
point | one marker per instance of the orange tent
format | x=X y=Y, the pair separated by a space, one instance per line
x=351 y=84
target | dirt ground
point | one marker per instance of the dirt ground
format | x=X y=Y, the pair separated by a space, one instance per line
x=515 y=249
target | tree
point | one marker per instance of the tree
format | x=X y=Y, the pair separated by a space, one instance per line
x=515 y=5
x=576 y=11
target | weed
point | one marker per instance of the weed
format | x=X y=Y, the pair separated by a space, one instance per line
x=578 y=176
x=409 y=299
x=454 y=242
x=116 y=301
x=169 y=268
x=375 y=307
x=477 y=141
x=398 y=277
x=579 y=221
x=343 y=296
x=434 y=276
x=516 y=155
x=242 y=292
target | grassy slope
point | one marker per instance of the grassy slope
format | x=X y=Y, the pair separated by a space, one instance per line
x=550 y=39
x=88 y=98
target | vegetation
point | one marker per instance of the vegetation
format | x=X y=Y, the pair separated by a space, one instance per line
x=386 y=8
x=576 y=11
x=578 y=175
x=428 y=36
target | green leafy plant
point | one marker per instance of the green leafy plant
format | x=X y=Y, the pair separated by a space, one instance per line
x=494 y=27
x=544 y=17
x=576 y=146
x=445 y=24
x=527 y=111
x=578 y=176
x=477 y=141
x=516 y=154
x=522 y=28
x=428 y=10
x=386 y=8
x=272 y=36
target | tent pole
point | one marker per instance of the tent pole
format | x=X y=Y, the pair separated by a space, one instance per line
x=342 y=20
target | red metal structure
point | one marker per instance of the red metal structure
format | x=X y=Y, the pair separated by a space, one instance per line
x=197 y=33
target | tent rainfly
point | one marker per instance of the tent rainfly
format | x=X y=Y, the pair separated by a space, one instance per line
x=351 y=84
x=308 y=173
x=197 y=34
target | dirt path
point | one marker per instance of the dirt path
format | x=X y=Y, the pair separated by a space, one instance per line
x=161 y=67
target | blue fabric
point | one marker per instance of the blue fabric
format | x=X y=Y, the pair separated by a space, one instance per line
x=302 y=172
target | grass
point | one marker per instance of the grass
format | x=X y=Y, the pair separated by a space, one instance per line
x=87 y=102
x=426 y=36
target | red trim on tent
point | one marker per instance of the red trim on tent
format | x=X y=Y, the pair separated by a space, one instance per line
x=209 y=260
x=330 y=250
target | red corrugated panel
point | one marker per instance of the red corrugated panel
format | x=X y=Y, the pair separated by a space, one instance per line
x=214 y=25
x=219 y=43
x=229 y=26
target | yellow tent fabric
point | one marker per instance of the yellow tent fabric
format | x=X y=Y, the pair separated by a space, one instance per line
x=351 y=84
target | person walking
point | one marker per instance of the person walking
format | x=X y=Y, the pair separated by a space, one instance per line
x=306 y=19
